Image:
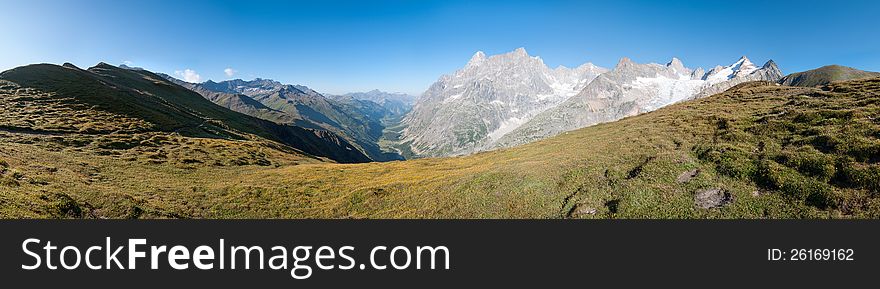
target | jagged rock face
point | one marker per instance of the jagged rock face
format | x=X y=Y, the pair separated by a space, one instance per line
x=471 y=109
x=631 y=89
x=741 y=71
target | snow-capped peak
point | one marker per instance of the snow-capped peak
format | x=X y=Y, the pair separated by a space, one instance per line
x=743 y=60
x=744 y=66
x=505 y=90
x=741 y=67
x=587 y=65
x=477 y=58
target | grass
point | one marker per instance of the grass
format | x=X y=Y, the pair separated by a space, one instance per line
x=781 y=152
x=104 y=99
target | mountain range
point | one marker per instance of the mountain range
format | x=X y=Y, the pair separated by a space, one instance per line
x=514 y=98
x=493 y=102
x=128 y=104
x=396 y=103
x=359 y=118
x=469 y=110
x=630 y=89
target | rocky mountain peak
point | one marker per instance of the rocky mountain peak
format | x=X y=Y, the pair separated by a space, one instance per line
x=497 y=92
x=478 y=58
x=633 y=88
x=698 y=73
x=625 y=61
x=675 y=62
x=677 y=66
x=743 y=63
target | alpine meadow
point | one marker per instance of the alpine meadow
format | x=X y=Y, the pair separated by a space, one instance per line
x=757 y=150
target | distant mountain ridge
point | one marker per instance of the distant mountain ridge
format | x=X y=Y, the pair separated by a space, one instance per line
x=236 y=102
x=359 y=122
x=163 y=106
x=825 y=75
x=395 y=102
x=631 y=88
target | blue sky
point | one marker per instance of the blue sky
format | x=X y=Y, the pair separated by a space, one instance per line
x=343 y=46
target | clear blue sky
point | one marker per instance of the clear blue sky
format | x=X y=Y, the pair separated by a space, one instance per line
x=342 y=46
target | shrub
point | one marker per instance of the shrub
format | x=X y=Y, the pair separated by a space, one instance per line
x=863 y=150
x=809 y=161
x=729 y=160
x=825 y=143
x=707 y=153
x=807 y=117
x=857 y=175
x=16 y=174
x=794 y=185
x=63 y=206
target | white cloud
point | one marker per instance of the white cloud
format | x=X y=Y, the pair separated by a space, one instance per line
x=189 y=75
x=229 y=71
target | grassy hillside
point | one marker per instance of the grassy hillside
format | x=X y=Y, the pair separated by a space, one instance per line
x=825 y=75
x=758 y=150
x=358 y=122
x=141 y=102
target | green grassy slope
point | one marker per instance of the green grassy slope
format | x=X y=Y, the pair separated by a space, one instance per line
x=758 y=150
x=825 y=75
x=159 y=105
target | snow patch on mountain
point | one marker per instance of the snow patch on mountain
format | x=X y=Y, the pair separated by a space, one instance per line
x=739 y=68
x=468 y=110
x=669 y=90
x=506 y=126
x=513 y=98
x=632 y=88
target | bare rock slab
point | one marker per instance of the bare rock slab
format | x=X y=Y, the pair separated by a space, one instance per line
x=712 y=198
